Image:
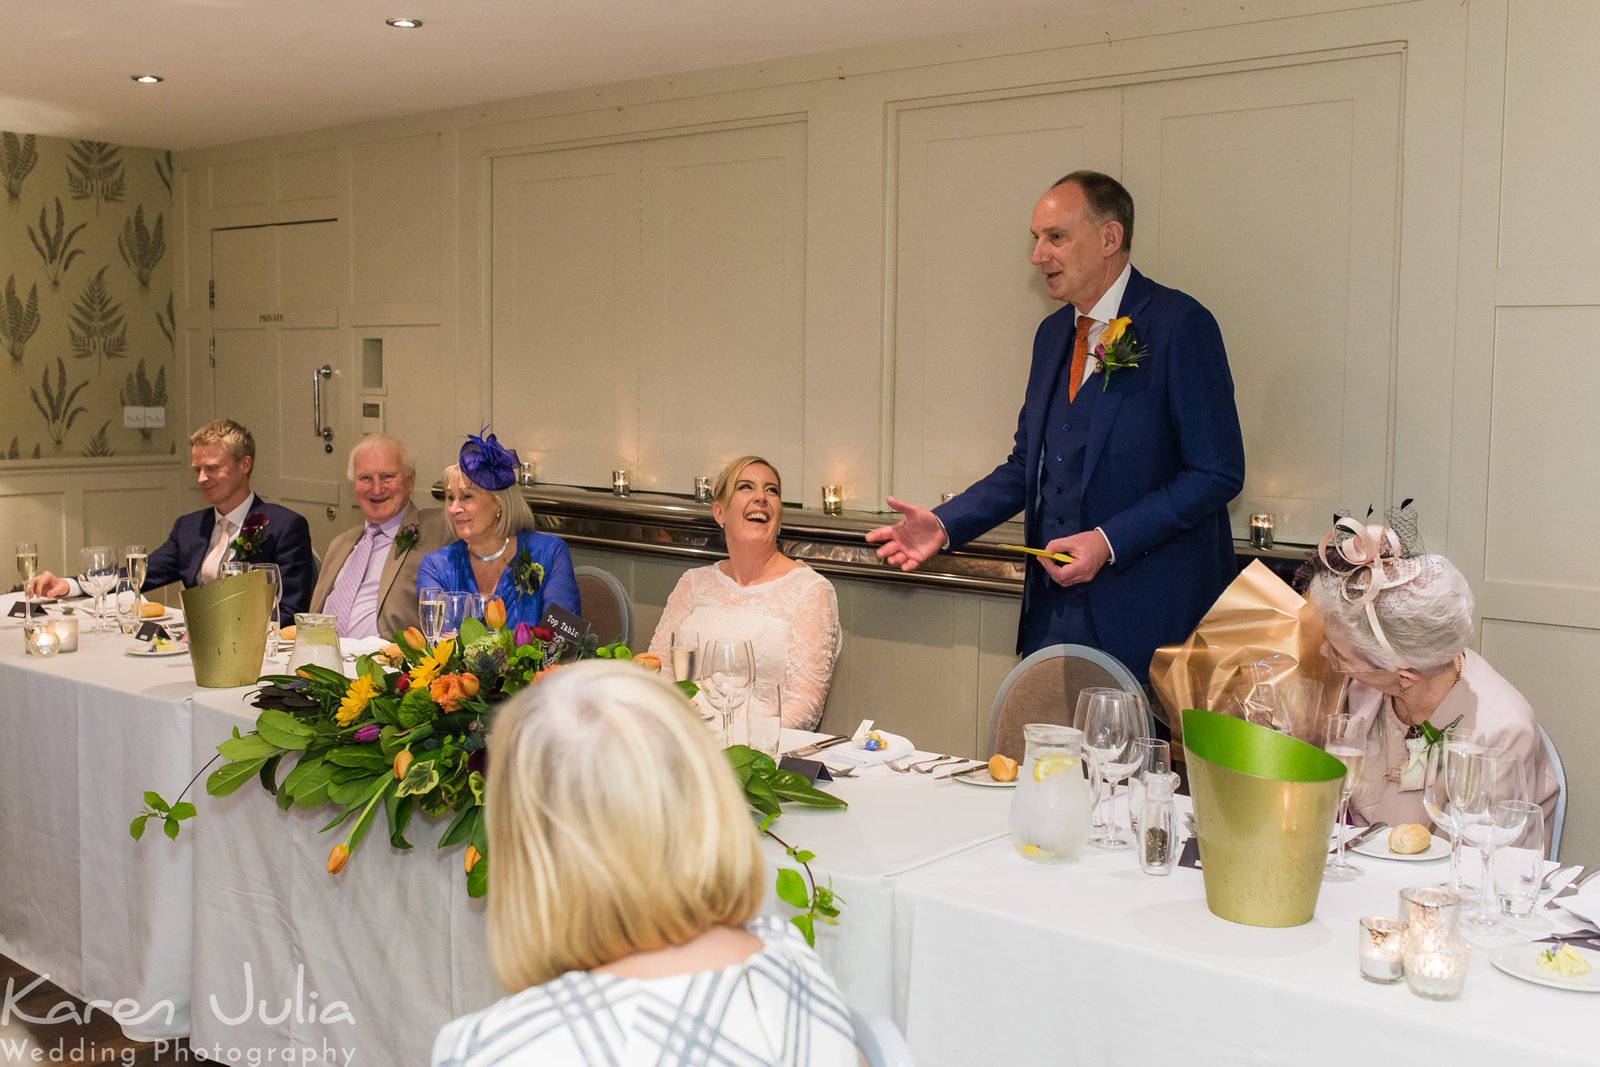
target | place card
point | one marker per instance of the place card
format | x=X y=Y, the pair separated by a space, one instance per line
x=809 y=769
x=1191 y=854
x=567 y=626
x=18 y=610
x=150 y=631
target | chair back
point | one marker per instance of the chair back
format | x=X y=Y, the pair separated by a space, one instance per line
x=1044 y=688
x=606 y=607
x=879 y=1041
x=1558 y=820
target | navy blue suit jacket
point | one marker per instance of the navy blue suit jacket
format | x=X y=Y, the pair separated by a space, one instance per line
x=286 y=541
x=1164 y=458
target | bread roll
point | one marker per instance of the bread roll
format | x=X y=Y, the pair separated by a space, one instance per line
x=1409 y=839
x=286 y=633
x=150 y=610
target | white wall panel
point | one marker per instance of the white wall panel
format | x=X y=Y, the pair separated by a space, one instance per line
x=396 y=195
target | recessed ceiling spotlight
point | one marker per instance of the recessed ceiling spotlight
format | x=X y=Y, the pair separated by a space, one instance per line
x=403 y=24
x=147 y=79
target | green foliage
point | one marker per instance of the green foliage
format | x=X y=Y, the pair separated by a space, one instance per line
x=99 y=330
x=94 y=172
x=18 y=321
x=170 y=815
x=142 y=248
x=56 y=405
x=100 y=442
x=18 y=156
x=55 y=246
x=766 y=788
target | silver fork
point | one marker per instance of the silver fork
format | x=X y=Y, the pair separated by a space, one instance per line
x=927 y=766
x=841 y=772
x=894 y=765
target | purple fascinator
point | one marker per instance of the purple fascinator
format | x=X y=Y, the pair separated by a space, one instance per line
x=488 y=464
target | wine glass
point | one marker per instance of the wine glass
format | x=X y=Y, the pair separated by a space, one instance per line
x=764 y=717
x=275 y=581
x=459 y=606
x=1486 y=779
x=1154 y=756
x=430 y=613
x=1080 y=722
x=98 y=575
x=1112 y=719
x=1345 y=739
x=727 y=669
x=1519 y=862
x=1444 y=761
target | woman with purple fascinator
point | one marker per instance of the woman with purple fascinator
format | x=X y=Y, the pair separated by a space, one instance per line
x=498 y=553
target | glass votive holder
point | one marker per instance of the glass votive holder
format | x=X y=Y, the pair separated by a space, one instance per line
x=525 y=472
x=1438 y=974
x=832 y=499
x=1382 y=944
x=1261 y=525
x=1432 y=917
x=39 y=639
x=66 y=631
x=619 y=482
x=702 y=489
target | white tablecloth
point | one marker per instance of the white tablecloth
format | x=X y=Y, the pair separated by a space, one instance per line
x=1095 y=962
x=85 y=734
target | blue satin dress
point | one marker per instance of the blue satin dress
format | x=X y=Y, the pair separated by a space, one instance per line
x=450 y=568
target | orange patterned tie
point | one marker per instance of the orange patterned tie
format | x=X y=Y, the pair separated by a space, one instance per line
x=1080 y=356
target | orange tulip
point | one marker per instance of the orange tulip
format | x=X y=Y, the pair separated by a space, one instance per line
x=337 y=858
x=402 y=763
x=414 y=638
x=469 y=684
x=470 y=860
x=494 y=614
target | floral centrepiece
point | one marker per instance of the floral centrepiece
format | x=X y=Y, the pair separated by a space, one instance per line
x=1118 y=350
x=247 y=545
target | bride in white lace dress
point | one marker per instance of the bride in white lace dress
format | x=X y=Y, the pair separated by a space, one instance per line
x=787 y=611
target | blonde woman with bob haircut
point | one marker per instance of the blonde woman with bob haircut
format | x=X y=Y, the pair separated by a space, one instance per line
x=497 y=552
x=623 y=893
x=788 y=612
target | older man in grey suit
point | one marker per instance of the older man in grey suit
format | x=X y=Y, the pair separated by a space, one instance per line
x=369 y=580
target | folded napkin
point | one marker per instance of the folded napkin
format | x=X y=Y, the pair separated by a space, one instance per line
x=1585 y=903
x=851 y=754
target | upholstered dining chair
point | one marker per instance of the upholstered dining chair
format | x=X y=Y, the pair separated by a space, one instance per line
x=1044 y=688
x=606 y=607
x=1557 y=821
x=879 y=1041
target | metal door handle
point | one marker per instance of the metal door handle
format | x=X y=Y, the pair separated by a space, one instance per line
x=324 y=432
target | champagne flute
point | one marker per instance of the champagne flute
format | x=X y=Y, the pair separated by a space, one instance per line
x=137 y=559
x=1344 y=738
x=1113 y=718
x=98 y=575
x=27 y=563
x=430 y=613
x=1444 y=761
x=727 y=669
x=685 y=652
x=1487 y=778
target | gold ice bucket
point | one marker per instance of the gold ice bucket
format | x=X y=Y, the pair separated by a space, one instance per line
x=1264 y=804
x=227 y=622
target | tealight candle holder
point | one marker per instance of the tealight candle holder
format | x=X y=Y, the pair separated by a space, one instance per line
x=702 y=489
x=66 y=631
x=619 y=483
x=832 y=500
x=1382 y=945
x=525 y=472
x=39 y=639
x=1438 y=975
x=1261 y=526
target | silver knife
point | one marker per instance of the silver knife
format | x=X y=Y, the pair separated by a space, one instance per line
x=811 y=750
x=1362 y=836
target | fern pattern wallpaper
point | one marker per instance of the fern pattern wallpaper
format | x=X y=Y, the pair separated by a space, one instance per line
x=86 y=310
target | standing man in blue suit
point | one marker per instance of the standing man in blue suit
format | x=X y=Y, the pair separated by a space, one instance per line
x=237 y=526
x=1126 y=454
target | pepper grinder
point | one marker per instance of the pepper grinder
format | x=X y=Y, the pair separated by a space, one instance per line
x=1158 y=829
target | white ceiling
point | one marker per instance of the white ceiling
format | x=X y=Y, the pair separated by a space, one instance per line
x=237 y=69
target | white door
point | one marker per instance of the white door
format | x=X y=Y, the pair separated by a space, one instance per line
x=275 y=326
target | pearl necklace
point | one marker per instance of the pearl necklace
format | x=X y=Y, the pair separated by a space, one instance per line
x=494 y=555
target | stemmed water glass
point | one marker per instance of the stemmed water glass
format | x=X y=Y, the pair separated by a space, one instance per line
x=98 y=575
x=1110 y=720
x=727 y=670
x=275 y=580
x=1344 y=738
x=1486 y=779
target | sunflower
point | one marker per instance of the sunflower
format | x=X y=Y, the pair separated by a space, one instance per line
x=433 y=663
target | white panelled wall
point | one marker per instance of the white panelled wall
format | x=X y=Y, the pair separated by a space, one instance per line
x=1388 y=206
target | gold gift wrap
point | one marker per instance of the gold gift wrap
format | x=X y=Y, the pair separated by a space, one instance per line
x=227 y=622
x=1258 y=630
x=1264 y=805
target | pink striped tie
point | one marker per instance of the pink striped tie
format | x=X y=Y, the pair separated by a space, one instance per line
x=348 y=584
